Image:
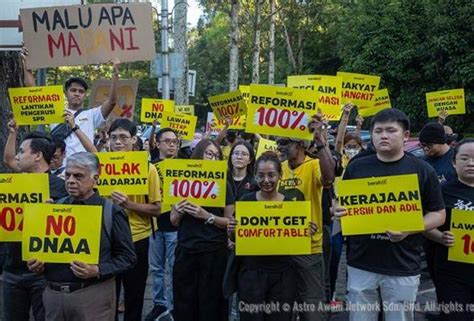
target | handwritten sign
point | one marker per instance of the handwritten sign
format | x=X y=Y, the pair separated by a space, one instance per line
x=273 y=228
x=358 y=88
x=183 y=125
x=265 y=145
x=61 y=233
x=184 y=109
x=462 y=227
x=382 y=101
x=451 y=101
x=215 y=126
x=380 y=204
x=228 y=105
x=126 y=95
x=153 y=109
x=37 y=105
x=81 y=35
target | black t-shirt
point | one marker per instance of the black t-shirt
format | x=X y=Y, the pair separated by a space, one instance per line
x=197 y=237
x=240 y=188
x=163 y=221
x=270 y=263
x=376 y=253
x=457 y=195
x=443 y=166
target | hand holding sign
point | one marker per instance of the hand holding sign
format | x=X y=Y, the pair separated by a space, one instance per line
x=121 y=199
x=12 y=127
x=84 y=271
x=115 y=65
x=35 y=266
x=397 y=236
x=196 y=211
x=448 y=239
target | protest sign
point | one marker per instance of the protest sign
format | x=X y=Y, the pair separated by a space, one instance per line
x=265 y=145
x=215 y=126
x=123 y=171
x=382 y=101
x=184 y=109
x=245 y=91
x=37 y=105
x=126 y=94
x=202 y=182
x=62 y=233
x=183 y=125
x=228 y=105
x=91 y=34
x=273 y=228
x=165 y=207
x=16 y=190
x=462 y=227
x=280 y=111
x=358 y=88
x=451 y=101
x=152 y=109
x=380 y=204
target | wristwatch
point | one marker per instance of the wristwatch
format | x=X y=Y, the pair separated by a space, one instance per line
x=210 y=220
x=318 y=147
x=74 y=128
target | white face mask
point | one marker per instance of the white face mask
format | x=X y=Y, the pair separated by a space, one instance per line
x=351 y=152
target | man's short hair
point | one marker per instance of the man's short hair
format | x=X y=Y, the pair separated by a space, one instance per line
x=59 y=143
x=84 y=160
x=164 y=130
x=41 y=143
x=391 y=115
x=76 y=80
x=124 y=124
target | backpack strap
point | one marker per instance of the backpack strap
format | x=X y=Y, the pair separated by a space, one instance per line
x=107 y=217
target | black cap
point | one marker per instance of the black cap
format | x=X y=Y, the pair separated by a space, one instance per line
x=433 y=133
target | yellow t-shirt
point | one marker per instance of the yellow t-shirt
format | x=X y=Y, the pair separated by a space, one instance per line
x=140 y=224
x=304 y=184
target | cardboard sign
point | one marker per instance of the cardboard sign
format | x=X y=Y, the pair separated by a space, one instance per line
x=62 y=233
x=462 y=227
x=273 y=228
x=152 y=109
x=123 y=171
x=245 y=91
x=358 y=88
x=265 y=145
x=183 y=125
x=451 y=101
x=202 y=182
x=215 y=126
x=382 y=101
x=81 y=35
x=126 y=95
x=37 y=105
x=280 y=111
x=380 y=204
x=228 y=105
x=184 y=109
x=328 y=89
x=16 y=191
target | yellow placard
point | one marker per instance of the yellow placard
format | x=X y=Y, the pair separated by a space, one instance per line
x=382 y=101
x=328 y=89
x=358 y=88
x=245 y=91
x=202 y=182
x=273 y=228
x=37 y=105
x=462 y=227
x=215 y=126
x=228 y=105
x=280 y=111
x=123 y=171
x=184 y=109
x=164 y=206
x=451 y=101
x=183 y=125
x=16 y=191
x=153 y=109
x=380 y=204
x=265 y=145
x=62 y=233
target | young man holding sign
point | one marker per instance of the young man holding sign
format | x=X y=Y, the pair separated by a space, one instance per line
x=389 y=262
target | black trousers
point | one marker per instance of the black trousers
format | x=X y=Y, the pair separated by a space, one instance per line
x=458 y=291
x=134 y=283
x=197 y=285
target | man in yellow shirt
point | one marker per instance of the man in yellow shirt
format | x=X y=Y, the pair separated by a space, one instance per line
x=140 y=210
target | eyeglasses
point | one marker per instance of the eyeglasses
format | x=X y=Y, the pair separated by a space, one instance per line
x=272 y=176
x=170 y=141
x=464 y=159
x=211 y=155
x=423 y=145
x=122 y=138
x=241 y=154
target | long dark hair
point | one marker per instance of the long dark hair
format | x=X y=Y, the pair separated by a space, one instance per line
x=250 y=166
x=198 y=152
x=460 y=143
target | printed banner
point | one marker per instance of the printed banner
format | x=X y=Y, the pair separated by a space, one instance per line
x=245 y=91
x=62 y=233
x=126 y=95
x=451 y=101
x=215 y=126
x=123 y=171
x=184 y=109
x=87 y=34
x=280 y=111
x=328 y=89
x=16 y=191
x=382 y=101
x=462 y=227
x=183 y=125
x=265 y=145
x=273 y=228
x=380 y=204
x=153 y=109
x=228 y=105
x=202 y=182
x=164 y=206
x=358 y=88
x=37 y=105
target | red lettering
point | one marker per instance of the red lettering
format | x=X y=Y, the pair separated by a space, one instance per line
x=131 y=47
x=72 y=43
x=59 y=225
x=59 y=44
x=135 y=169
x=115 y=40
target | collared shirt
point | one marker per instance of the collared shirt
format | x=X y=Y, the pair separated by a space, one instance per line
x=117 y=255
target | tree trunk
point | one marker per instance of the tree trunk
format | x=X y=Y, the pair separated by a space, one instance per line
x=271 y=55
x=300 y=51
x=289 y=49
x=256 y=44
x=181 y=96
x=234 y=46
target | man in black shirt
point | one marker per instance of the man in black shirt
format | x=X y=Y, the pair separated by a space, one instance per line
x=81 y=291
x=389 y=262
